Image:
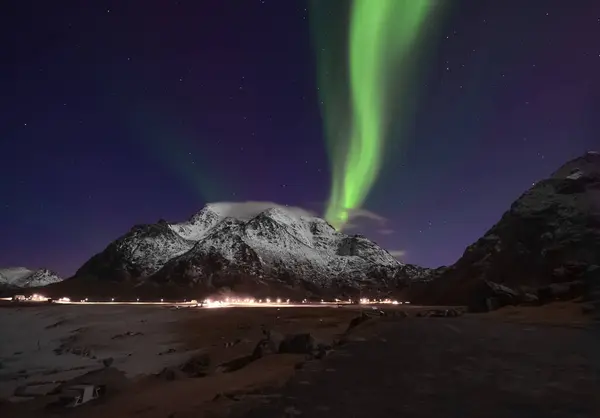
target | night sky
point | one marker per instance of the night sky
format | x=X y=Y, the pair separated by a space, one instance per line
x=115 y=113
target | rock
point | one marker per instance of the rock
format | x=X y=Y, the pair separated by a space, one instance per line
x=298 y=344
x=107 y=362
x=561 y=291
x=529 y=299
x=168 y=351
x=235 y=364
x=268 y=345
x=196 y=366
x=303 y=343
x=233 y=343
x=170 y=373
x=78 y=351
x=322 y=350
x=357 y=321
x=126 y=334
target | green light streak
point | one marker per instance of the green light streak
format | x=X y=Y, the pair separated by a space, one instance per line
x=382 y=35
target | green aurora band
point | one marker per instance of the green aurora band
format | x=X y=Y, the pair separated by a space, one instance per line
x=382 y=35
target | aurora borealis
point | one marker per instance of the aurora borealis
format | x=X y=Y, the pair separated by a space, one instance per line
x=114 y=114
x=381 y=37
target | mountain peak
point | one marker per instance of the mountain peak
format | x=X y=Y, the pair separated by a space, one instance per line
x=24 y=277
x=279 y=215
x=208 y=212
x=587 y=165
x=225 y=244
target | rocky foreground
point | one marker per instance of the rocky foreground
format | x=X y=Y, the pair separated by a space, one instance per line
x=450 y=368
x=139 y=350
x=419 y=362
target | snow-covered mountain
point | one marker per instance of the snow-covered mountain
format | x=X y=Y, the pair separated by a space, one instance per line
x=23 y=277
x=138 y=254
x=213 y=250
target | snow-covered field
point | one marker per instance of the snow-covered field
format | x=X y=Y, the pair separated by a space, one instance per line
x=58 y=343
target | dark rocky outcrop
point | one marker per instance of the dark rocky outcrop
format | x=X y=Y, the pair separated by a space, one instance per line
x=196 y=366
x=301 y=343
x=547 y=245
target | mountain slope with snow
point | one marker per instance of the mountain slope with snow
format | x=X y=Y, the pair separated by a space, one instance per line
x=214 y=250
x=23 y=277
x=137 y=254
x=280 y=246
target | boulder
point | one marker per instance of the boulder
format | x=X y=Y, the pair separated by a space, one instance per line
x=171 y=373
x=302 y=343
x=197 y=366
x=268 y=345
x=298 y=344
x=363 y=317
x=561 y=291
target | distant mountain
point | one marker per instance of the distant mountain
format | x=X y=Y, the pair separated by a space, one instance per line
x=22 y=277
x=275 y=247
x=547 y=243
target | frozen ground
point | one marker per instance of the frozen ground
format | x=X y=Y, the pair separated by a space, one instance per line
x=58 y=343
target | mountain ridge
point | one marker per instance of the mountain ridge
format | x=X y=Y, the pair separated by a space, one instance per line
x=547 y=242
x=22 y=277
x=212 y=249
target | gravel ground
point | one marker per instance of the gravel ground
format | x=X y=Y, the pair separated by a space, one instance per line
x=451 y=367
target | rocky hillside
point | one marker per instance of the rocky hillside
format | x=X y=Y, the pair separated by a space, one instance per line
x=138 y=254
x=548 y=242
x=21 y=277
x=276 y=246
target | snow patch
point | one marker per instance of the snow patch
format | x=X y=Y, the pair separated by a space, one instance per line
x=576 y=175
